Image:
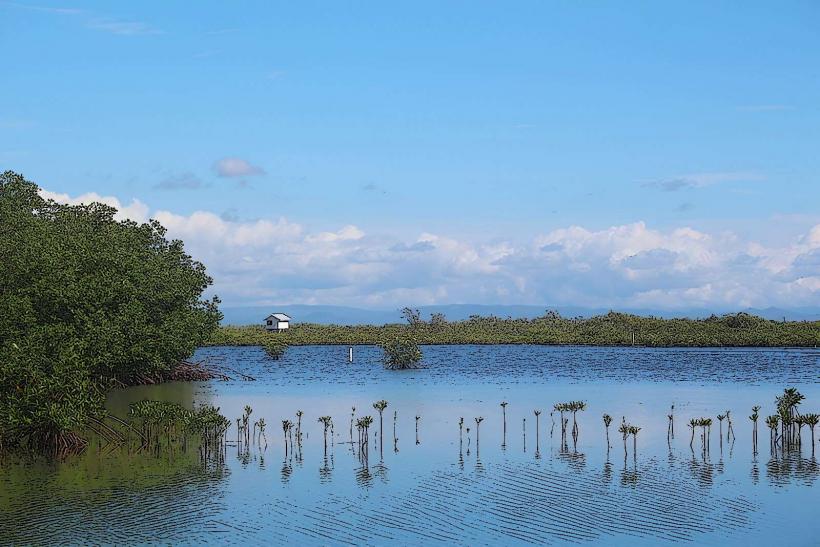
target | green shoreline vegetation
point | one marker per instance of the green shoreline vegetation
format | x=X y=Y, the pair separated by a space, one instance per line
x=87 y=303
x=612 y=329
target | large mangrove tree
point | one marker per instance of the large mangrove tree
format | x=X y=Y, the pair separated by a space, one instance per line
x=86 y=302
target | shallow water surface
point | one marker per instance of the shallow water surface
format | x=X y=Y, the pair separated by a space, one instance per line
x=424 y=480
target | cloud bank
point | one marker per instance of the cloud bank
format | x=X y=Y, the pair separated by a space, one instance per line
x=277 y=261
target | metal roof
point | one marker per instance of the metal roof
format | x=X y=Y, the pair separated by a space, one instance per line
x=279 y=316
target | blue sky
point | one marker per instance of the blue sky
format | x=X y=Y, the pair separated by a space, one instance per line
x=479 y=132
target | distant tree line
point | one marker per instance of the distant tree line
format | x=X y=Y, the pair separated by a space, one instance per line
x=611 y=329
x=86 y=303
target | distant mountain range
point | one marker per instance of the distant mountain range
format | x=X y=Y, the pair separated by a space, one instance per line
x=342 y=315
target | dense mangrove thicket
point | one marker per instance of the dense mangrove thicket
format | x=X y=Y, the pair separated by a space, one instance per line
x=612 y=329
x=86 y=302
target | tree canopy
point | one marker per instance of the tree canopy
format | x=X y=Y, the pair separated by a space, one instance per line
x=86 y=301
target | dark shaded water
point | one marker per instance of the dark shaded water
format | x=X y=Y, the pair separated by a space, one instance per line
x=521 y=486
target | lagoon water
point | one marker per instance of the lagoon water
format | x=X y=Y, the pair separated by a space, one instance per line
x=425 y=485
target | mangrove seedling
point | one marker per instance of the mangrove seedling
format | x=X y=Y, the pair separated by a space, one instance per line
x=262 y=435
x=607 y=421
x=671 y=427
x=633 y=430
x=753 y=418
x=730 y=432
x=575 y=407
x=560 y=408
x=326 y=422
x=624 y=431
x=693 y=423
x=286 y=425
x=772 y=422
x=504 y=417
x=799 y=421
x=352 y=415
x=478 y=421
x=720 y=418
x=380 y=406
x=811 y=420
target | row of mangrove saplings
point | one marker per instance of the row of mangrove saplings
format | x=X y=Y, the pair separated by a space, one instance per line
x=162 y=424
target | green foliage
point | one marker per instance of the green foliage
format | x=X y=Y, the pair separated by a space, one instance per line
x=401 y=353
x=612 y=329
x=86 y=301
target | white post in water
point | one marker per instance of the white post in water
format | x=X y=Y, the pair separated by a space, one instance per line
x=350 y=354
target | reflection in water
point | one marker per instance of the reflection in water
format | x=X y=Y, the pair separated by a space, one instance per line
x=607 y=471
x=380 y=471
x=287 y=469
x=629 y=477
x=792 y=467
x=702 y=470
x=364 y=477
x=667 y=494
x=576 y=461
x=326 y=471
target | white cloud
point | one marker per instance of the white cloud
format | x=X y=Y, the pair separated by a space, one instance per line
x=631 y=265
x=136 y=210
x=236 y=167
